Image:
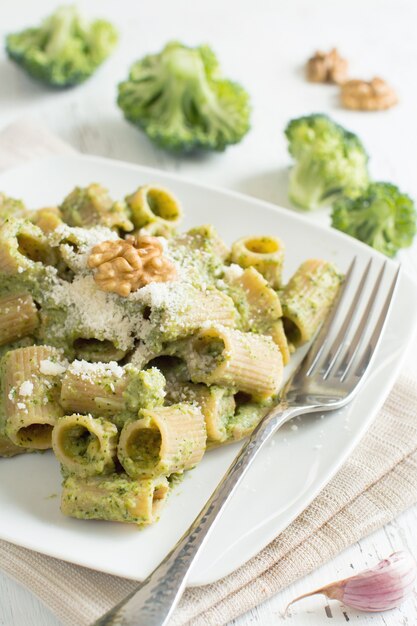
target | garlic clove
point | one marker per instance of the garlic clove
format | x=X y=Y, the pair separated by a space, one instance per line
x=379 y=588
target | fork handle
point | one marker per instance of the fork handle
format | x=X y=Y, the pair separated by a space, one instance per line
x=153 y=601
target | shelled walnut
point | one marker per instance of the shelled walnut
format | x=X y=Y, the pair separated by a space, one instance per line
x=327 y=67
x=373 y=95
x=123 y=266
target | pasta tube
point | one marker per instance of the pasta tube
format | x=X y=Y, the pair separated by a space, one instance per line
x=165 y=440
x=47 y=219
x=207 y=238
x=8 y=448
x=252 y=363
x=217 y=405
x=92 y=205
x=207 y=305
x=18 y=317
x=116 y=498
x=245 y=420
x=108 y=390
x=266 y=254
x=11 y=207
x=276 y=331
x=260 y=306
x=156 y=229
x=32 y=378
x=23 y=246
x=191 y=309
x=152 y=204
x=85 y=445
x=97 y=350
x=307 y=298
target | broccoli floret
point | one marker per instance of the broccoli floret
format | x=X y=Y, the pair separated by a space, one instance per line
x=329 y=161
x=64 y=50
x=181 y=102
x=382 y=217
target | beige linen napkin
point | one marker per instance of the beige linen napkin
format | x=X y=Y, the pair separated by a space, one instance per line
x=376 y=484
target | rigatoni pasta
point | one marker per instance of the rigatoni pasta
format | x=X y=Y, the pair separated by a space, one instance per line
x=205 y=237
x=163 y=440
x=259 y=304
x=246 y=418
x=277 y=333
x=8 y=448
x=111 y=391
x=131 y=378
x=31 y=392
x=155 y=207
x=47 y=219
x=307 y=298
x=266 y=254
x=85 y=445
x=23 y=247
x=222 y=356
x=217 y=404
x=18 y=317
x=117 y=498
x=92 y=205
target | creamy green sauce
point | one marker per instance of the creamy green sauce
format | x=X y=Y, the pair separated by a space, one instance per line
x=143 y=447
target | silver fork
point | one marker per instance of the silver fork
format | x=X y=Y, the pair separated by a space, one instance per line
x=327 y=379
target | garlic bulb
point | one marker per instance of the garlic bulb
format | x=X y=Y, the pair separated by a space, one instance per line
x=380 y=588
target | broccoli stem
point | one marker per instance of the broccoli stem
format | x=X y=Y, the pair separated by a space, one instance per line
x=306 y=189
x=58 y=28
x=186 y=83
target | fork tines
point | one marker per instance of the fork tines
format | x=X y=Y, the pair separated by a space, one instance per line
x=347 y=341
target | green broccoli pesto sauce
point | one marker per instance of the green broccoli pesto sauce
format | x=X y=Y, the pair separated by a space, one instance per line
x=113 y=498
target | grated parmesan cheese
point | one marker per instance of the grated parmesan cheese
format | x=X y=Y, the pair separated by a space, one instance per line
x=91 y=371
x=26 y=388
x=95 y=313
x=84 y=239
x=232 y=272
x=50 y=368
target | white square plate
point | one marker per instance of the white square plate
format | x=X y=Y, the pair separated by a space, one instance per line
x=285 y=477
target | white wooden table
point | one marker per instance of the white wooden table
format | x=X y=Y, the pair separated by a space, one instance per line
x=264 y=45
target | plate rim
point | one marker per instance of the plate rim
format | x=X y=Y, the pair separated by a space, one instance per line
x=297 y=216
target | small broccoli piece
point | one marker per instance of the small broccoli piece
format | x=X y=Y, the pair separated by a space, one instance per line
x=64 y=50
x=329 y=161
x=181 y=102
x=10 y=207
x=382 y=217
